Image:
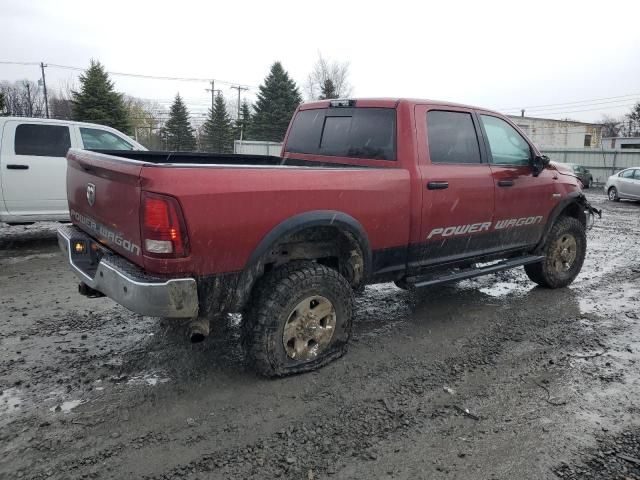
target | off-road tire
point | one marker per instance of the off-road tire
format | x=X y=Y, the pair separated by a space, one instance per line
x=274 y=298
x=612 y=194
x=544 y=273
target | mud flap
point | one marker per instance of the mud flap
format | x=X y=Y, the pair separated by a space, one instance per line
x=590 y=211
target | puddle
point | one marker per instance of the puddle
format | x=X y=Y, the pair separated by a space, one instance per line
x=500 y=289
x=148 y=379
x=66 y=407
x=10 y=400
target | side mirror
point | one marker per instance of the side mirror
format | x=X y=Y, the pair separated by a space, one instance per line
x=539 y=163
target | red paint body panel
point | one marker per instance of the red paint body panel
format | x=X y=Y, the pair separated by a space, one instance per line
x=228 y=210
x=117 y=196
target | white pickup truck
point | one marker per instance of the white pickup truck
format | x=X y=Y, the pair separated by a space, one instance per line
x=33 y=167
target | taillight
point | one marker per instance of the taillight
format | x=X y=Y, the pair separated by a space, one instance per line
x=163 y=228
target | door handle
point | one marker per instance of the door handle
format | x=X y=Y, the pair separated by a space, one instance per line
x=13 y=166
x=437 y=185
x=505 y=183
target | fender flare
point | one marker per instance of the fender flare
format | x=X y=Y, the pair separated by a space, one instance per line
x=293 y=225
x=573 y=198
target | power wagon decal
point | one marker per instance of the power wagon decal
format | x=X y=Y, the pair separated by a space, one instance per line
x=443 y=232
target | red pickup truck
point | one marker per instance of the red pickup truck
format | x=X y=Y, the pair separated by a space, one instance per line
x=365 y=191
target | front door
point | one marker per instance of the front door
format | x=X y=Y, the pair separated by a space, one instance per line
x=34 y=168
x=523 y=202
x=457 y=193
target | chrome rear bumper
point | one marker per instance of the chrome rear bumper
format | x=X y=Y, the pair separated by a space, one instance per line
x=126 y=283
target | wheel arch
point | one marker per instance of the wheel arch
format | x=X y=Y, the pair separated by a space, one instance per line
x=351 y=230
x=573 y=205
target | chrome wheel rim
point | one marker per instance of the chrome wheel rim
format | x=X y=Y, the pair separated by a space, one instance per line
x=612 y=194
x=564 y=253
x=309 y=328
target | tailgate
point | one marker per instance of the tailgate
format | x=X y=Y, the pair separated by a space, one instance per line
x=104 y=200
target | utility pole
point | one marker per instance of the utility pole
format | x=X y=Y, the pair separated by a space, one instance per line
x=240 y=88
x=28 y=87
x=213 y=92
x=44 y=88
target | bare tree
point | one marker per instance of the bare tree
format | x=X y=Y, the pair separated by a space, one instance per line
x=60 y=101
x=23 y=99
x=323 y=70
x=610 y=126
x=633 y=122
x=146 y=119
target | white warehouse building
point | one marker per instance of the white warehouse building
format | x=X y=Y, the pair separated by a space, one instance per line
x=550 y=133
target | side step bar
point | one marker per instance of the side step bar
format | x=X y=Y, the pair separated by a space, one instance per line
x=429 y=280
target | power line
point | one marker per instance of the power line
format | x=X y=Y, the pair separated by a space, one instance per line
x=531 y=107
x=610 y=102
x=154 y=77
x=134 y=75
x=588 y=109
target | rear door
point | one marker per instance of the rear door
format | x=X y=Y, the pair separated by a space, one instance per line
x=635 y=187
x=458 y=192
x=34 y=168
x=626 y=183
x=522 y=202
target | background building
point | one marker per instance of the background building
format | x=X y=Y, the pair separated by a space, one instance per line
x=549 y=133
x=621 y=142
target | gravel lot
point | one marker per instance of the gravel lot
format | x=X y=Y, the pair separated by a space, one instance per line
x=489 y=378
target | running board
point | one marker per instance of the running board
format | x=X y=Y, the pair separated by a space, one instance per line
x=429 y=280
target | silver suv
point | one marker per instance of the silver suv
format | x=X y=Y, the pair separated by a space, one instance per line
x=624 y=184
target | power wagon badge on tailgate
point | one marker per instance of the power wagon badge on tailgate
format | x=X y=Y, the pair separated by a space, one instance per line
x=105 y=232
x=443 y=232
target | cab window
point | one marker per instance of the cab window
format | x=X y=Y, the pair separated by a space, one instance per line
x=42 y=140
x=452 y=137
x=96 y=139
x=506 y=145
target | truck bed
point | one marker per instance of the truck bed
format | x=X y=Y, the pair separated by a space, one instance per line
x=197 y=158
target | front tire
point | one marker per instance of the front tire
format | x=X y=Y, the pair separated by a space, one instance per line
x=613 y=194
x=299 y=319
x=564 y=251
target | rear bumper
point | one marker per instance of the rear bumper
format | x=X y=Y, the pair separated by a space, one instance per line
x=127 y=284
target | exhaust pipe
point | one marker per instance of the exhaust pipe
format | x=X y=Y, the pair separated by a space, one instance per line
x=198 y=330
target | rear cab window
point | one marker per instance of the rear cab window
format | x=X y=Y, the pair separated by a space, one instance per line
x=42 y=140
x=367 y=133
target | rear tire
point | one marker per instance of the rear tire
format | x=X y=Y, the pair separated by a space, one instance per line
x=283 y=334
x=613 y=194
x=564 y=251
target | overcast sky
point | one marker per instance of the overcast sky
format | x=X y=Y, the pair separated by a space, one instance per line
x=501 y=55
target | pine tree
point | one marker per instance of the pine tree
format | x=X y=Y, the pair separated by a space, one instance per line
x=98 y=102
x=243 y=126
x=217 y=130
x=278 y=99
x=328 y=90
x=178 y=132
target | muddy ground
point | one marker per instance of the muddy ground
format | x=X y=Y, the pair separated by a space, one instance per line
x=489 y=378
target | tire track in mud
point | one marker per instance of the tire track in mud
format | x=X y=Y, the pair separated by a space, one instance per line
x=357 y=428
x=384 y=396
